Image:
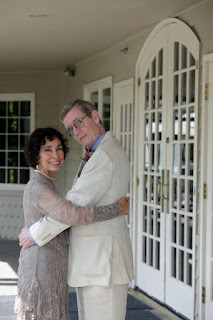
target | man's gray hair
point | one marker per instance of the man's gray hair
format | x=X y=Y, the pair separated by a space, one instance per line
x=85 y=106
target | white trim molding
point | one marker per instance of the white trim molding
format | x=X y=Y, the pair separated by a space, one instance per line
x=19 y=97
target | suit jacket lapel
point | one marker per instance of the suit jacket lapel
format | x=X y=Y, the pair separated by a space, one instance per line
x=108 y=135
x=82 y=164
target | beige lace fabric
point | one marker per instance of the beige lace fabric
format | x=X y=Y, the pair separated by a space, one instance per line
x=42 y=284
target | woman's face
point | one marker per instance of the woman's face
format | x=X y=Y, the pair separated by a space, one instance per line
x=51 y=156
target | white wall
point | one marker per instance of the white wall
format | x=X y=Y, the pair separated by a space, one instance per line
x=49 y=89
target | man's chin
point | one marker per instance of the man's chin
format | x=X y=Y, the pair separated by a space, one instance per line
x=84 y=143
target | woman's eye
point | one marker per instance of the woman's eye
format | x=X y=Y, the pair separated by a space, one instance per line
x=60 y=149
x=47 y=150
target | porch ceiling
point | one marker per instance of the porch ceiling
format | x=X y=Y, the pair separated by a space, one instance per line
x=49 y=34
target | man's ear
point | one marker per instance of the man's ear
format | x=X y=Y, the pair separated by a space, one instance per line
x=95 y=116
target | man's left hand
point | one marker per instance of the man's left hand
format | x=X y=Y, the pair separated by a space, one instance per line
x=24 y=239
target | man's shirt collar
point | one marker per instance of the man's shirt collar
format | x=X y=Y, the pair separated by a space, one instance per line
x=96 y=143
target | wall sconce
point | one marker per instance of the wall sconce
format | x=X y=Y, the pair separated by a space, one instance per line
x=70 y=70
x=125 y=50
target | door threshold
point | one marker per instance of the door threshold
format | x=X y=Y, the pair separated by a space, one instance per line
x=161 y=310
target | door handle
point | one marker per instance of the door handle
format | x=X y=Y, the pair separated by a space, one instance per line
x=164 y=188
x=160 y=185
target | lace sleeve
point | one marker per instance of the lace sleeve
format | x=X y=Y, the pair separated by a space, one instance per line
x=107 y=212
x=64 y=211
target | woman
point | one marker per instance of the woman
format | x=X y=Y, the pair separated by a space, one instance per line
x=42 y=285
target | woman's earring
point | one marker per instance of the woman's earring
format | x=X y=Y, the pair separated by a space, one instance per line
x=37 y=166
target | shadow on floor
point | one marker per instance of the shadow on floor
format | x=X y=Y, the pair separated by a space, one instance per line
x=9 y=253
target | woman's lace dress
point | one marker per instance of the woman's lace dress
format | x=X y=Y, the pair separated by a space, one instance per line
x=42 y=284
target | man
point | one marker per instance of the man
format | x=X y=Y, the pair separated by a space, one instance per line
x=100 y=254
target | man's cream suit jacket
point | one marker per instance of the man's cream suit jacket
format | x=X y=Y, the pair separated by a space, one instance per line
x=99 y=253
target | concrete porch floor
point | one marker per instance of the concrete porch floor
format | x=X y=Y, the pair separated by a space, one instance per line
x=9 y=254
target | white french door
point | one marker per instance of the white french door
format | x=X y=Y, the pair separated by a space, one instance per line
x=123 y=121
x=99 y=93
x=166 y=138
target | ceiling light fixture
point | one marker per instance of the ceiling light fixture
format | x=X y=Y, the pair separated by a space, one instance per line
x=125 y=50
x=70 y=70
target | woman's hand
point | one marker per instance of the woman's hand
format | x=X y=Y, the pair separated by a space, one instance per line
x=24 y=239
x=124 y=202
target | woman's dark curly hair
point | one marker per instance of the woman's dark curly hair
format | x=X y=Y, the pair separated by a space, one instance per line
x=37 y=139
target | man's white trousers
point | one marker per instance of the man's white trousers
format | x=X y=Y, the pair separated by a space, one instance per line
x=102 y=303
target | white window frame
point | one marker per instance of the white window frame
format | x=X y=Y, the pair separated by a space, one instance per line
x=99 y=86
x=19 y=97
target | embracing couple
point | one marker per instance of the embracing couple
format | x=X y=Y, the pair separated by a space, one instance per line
x=99 y=263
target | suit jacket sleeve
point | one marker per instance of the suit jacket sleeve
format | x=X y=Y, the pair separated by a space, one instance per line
x=89 y=189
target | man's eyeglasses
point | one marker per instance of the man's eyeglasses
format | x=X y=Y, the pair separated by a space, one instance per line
x=79 y=123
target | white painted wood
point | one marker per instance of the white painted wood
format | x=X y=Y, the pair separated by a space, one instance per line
x=149 y=279
x=206 y=223
x=123 y=125
x=98 y=86
x=184 y=36
x=11 y=195
x=123 y=120
x=19 y=97
x=174 y=272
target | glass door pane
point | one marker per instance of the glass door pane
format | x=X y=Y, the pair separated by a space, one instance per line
x=94 y=99
x=106 y=107
x=152 y=183
x=182 y=180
